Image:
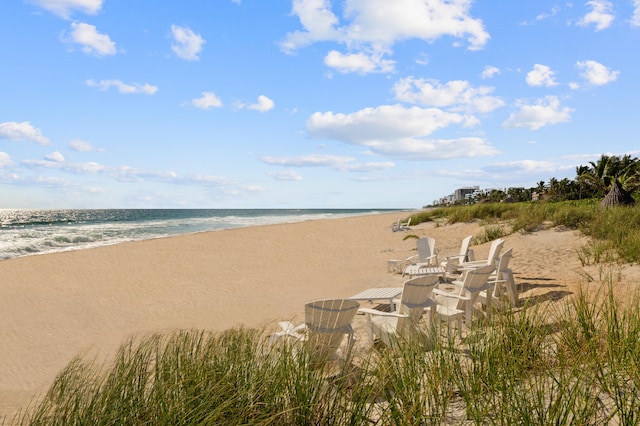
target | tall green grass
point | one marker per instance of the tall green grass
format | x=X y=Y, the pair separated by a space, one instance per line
x=614 y=231
x=579 y=364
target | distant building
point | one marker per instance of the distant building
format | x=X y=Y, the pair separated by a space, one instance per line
x=474 y=193
x=458 y=195
x=465 y=193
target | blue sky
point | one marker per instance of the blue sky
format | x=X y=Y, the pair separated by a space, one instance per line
x=307 y=103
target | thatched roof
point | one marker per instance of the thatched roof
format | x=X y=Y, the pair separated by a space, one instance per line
x=617 y=197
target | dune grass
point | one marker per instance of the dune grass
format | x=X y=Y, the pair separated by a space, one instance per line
x=576 y=364
x=614 y=231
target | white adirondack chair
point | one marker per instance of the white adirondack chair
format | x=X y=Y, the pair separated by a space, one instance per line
x=452 y=263
x=455 y=300
x=327 y=323
x=416 y=297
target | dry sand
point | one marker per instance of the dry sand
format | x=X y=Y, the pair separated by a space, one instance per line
x=54 y=307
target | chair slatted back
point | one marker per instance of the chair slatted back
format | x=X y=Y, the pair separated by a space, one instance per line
x=503 y=263
x=477 y=279
x=494 y=251
x=416 y=295
x=329 y=321
x=426 y=247
x=464 y=248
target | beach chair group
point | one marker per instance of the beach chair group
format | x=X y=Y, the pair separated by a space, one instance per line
x=469 y=286
x=401 y=226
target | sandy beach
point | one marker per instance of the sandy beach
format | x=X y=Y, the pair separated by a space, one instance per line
x=54 y=307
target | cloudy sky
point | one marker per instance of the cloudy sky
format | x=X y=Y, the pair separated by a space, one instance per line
x=307 y=103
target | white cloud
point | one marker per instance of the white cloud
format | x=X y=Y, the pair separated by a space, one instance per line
x=601 y=14
x=399 y=132
x=83 y=146
x=187 y=44
x=64 y=8
x=374 y=26
x=131 y=88
x=264 y=104
x=319 y=23
x=78 y=168
x=522 y=166
x=383 y=122
x=206 y=101
x=23 y=131
x=132 y=174
x=313 y=160
x=369 y=166
x=490 y=71
x=90 y=40
x=285 y=175
x=553 y=12
x=5 y=160
x=596 y=73
x=55 y=156
x=541 y=75
x=384 y=22
x=544 y=112
x=417 y=149
x=422 y=59
x=456 y=94
x=340 y=163
x=635 y=18
x=358 y=63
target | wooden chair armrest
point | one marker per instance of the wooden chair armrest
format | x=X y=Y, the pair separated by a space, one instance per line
x=447 y=294
x=376 y=312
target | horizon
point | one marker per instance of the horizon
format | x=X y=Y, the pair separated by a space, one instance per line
x=348 y=105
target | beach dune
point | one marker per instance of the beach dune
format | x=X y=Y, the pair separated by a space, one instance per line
x=57 y=306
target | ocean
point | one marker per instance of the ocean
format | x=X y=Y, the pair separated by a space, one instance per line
x=32 y=232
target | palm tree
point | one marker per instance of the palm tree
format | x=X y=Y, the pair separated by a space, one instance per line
x=603 y=173
x=580 y=170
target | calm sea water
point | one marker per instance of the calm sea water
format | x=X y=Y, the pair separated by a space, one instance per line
x=31 y=232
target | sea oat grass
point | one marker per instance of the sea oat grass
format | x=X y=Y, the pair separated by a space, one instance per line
x=577 y=365
x=614 y=232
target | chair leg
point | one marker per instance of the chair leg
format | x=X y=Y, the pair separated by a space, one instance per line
x=511 y=288
x=468 y=315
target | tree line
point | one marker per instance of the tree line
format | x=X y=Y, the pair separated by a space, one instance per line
x=596 y=180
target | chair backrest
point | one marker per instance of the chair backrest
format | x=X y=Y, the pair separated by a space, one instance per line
x=426 y=247
x=330 y=315
x=464 y=248
x=503 y=263
x=494 y=251
x=477 y=279
x=415 y=297
x=329 y=321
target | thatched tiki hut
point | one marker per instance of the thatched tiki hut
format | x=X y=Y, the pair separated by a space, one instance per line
x=617 y=196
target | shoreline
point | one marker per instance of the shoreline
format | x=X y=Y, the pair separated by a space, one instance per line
x=31 y=234
x=87 y=302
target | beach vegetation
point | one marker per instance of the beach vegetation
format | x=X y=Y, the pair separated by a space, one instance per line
x=614 y=232
x=611 y=177
x=410 y=237
x=577 y=362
